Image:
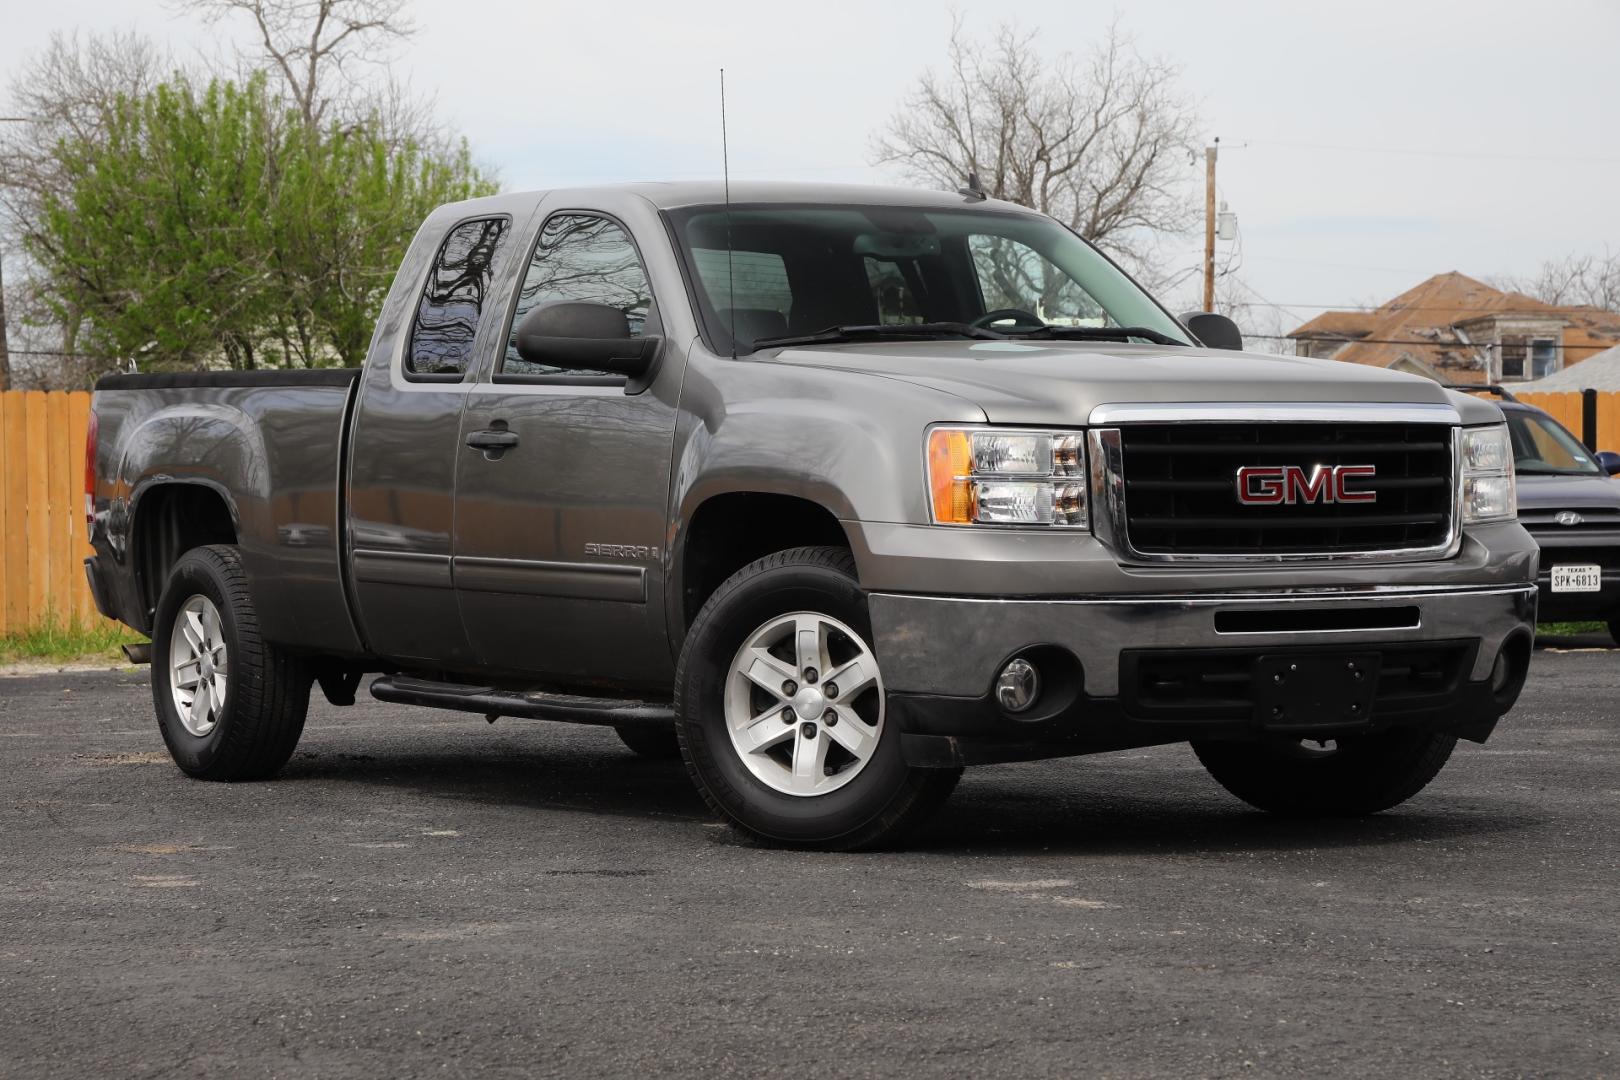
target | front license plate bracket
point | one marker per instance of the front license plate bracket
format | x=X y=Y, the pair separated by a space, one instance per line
x=1301 y=692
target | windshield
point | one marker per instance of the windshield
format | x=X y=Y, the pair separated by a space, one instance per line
x=1542 y=446
x=799 y=270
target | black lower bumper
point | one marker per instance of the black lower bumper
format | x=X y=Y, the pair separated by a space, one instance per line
x=1180 y=695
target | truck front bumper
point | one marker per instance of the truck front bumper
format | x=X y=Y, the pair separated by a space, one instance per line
x=1138 y=671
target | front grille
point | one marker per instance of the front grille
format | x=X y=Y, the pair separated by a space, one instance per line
x=1218 y=684
x=1181 y=488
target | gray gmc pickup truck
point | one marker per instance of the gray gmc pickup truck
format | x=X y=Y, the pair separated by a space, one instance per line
x=831 y=492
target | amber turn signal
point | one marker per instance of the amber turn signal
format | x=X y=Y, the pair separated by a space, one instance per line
x=950 y=464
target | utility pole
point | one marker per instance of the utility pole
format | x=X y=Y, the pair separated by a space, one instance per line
x=1210 y=153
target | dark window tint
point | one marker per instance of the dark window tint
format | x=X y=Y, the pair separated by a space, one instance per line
x=580 y=257
x=447 y=317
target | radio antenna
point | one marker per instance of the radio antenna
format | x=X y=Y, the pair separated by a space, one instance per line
x=725 y=172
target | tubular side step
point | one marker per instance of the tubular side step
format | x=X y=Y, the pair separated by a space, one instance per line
x=534 y=704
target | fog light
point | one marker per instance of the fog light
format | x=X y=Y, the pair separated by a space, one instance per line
x=1018 y=685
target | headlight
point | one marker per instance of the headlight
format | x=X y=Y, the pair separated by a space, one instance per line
x=1488 y=492
x=990 y=476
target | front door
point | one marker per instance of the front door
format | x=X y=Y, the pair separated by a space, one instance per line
x=560 y=524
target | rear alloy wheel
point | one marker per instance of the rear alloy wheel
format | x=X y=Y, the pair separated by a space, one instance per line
x=230 y=705
x=779 y=704
x=1348 y=777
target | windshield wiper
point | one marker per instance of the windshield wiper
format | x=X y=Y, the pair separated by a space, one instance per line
x=1097 y=333
x=834 y=334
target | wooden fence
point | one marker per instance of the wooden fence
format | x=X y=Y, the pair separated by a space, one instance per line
x=43 y=541
x=1567 y=409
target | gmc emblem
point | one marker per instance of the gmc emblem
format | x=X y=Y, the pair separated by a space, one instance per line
x=1279 y=485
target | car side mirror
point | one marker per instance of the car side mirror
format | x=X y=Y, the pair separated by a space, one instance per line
x=1610 y=462
x=1215 y=331
x=580 y=336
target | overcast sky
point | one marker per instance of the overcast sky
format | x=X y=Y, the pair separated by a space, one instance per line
x=1365 y=145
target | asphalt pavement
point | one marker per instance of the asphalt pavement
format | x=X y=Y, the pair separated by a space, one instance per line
x=424 y=894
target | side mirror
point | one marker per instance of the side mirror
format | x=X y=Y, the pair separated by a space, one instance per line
x=581 y=336
x=1215 y=331
x=1610 y=462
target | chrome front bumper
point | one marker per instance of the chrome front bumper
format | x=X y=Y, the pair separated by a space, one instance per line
x=955 y=646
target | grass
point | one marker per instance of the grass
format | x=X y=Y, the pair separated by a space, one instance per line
x=59 y=642
x=1565 y=629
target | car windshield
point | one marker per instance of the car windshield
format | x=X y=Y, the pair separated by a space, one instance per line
x=1542 y=446
x=768 y=273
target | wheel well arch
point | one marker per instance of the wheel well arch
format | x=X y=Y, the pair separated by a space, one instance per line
x=169 y=520
x=728 y=531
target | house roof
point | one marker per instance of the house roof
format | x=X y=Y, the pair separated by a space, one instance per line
x=1600 y=372
x=1422 y=322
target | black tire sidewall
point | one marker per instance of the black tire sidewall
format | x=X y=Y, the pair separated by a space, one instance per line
x=195 y=574
x=716 y=636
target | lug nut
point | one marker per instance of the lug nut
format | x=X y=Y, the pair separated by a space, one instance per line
x=787 y=716
x=810 y=675
x=830 y=717
x=808 y=729
x=789 y=688
x=831 y=689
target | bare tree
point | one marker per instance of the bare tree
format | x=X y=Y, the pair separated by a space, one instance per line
x=1101 y=144
x=310 y=43
x=1574 y=279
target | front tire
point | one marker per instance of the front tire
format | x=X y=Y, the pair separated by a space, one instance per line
x=776 y=746
x=1359 y=775
x=230 y=705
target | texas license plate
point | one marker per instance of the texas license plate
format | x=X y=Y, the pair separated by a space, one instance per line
x=1577 y=578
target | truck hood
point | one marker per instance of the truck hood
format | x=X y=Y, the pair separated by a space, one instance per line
x=1059 y=383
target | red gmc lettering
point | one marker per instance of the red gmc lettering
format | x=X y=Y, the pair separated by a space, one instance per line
x=1274 y=485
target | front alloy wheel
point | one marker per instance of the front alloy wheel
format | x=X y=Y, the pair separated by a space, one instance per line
x=779 y=706
x=804 y=704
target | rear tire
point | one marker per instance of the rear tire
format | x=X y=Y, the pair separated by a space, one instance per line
x=1614 y=630
x=654 y=743
x=230 y=705
x=1362 y=775
x=855 y=789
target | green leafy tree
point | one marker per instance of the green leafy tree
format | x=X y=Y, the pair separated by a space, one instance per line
x=211 y=226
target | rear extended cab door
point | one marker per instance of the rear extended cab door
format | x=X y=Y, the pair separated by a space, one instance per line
x=404 y=446
x=559 y=556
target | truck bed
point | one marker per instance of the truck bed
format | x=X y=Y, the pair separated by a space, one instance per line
x=267 y=443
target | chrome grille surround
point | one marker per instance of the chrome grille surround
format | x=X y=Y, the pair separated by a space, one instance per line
x=1110 y=521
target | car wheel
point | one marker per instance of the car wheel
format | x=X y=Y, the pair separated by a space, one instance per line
x=1347 y=777
x=230 y=705
x=1614 y=630
x=657 y=743
x=780 y=710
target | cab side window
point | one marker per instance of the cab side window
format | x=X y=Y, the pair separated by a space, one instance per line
x=453 y=299
x=580 y=257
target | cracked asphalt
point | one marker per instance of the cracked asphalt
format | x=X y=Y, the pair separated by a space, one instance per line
x=423 y=894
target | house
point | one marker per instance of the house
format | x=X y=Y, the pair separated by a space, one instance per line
x=1600 y=372
x=1452 y=328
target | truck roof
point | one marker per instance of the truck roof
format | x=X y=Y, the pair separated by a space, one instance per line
x=669 y=195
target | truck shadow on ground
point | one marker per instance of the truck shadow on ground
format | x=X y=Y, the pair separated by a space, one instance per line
x=1037 y=808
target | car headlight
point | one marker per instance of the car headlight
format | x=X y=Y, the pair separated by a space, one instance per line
x=1488 y=491
x=998 y=476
